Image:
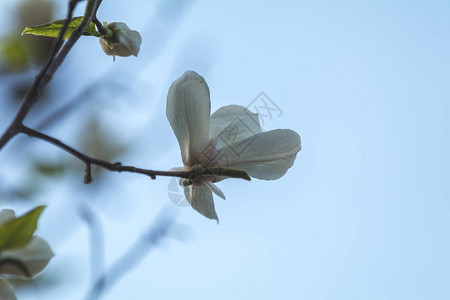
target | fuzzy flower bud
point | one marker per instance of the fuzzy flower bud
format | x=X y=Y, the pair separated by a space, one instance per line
x=122 y=42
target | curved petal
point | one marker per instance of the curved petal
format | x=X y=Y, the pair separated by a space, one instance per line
x=215 y=189
x=34 y=256
x=6 y=290
x=233 y=123
x=6 y=215
x=201 y=199
x=188 y=109
x=266 y=155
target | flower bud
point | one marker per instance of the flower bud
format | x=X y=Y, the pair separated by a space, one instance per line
x=122 y=42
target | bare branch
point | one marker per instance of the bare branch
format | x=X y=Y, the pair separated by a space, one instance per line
x=195 y=172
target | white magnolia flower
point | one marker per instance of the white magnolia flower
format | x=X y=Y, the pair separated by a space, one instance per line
x=231 y=138
x=24 y=262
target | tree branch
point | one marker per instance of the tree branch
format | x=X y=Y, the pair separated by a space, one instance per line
x=88 y=161
x=191 y=175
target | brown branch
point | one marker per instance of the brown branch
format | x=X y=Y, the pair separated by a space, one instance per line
x=102 y=29
x=114 y=167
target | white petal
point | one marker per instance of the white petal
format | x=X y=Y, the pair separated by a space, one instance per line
x=188 y=110
x=233 y=123
x=6 y=290
x=177 y=169
x=267 y=155
x=34 y=256
x=6 y=215
x=214 y=189
x=201 y=199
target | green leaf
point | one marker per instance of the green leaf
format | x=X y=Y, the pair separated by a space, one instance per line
x=52 y=29
x=18 y=232
x=48 y=169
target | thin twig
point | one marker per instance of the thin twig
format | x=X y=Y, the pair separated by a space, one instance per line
x=88 y=161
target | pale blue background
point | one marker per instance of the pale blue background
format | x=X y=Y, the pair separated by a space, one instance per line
x=364 y=213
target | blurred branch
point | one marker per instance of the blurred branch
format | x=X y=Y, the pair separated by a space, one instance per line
x=96 y=241
x=114 y=87
x=54 y=61
x=133 y=256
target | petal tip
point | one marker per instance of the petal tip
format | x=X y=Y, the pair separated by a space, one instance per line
x=191 y=75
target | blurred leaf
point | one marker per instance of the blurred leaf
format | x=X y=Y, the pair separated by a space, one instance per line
x=33 y=12
x=97 y=142
x=52 y=29
x=19 y=54
x=13 y=55
x=18 y=232
x=48 y=169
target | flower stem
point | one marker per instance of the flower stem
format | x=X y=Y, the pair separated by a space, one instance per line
x=102 y=29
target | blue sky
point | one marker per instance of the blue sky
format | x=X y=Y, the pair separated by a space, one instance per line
x=364 y=213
